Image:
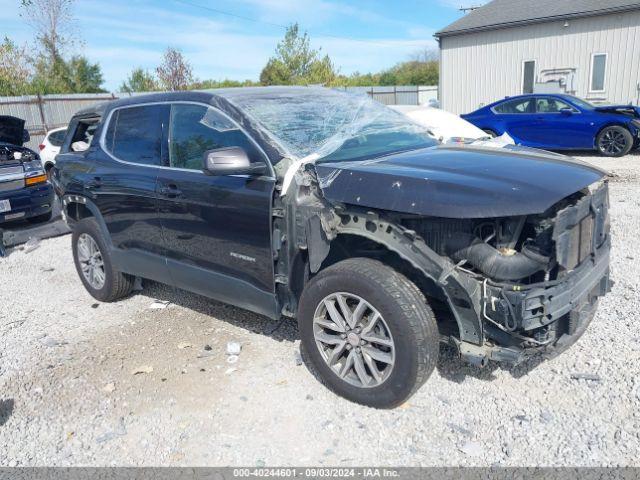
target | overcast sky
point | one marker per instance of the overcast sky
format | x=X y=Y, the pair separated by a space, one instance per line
x=359 y=35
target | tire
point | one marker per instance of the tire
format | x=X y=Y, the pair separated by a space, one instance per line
x=45 y=217
x=614 y=141
x=407 y=320
x=115 y=284
x=490 y=132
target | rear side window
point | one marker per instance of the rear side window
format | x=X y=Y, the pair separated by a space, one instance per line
x=134 y=134
x=515 y=106
x=195 y=129
x=57 y=138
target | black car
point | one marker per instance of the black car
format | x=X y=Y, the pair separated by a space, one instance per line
x=25 y=193
x=335 y=210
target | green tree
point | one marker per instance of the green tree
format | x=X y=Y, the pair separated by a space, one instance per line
x=83 y=76
x=15 y=70
x=77 y=75
x=295 y=62
x=209 y=84
x=139 y=81
x=275 y=73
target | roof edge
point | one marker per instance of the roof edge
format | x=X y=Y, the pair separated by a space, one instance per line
x=499 y=26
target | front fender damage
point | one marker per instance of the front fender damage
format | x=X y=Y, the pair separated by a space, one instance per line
x=306 y=224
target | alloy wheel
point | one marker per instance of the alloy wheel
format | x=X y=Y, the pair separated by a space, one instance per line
x=91 y=261
x=354 y=339
x=613 y=142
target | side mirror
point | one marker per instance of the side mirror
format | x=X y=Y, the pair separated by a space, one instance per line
x=25 y=136
x=566 y=111
x=230 y=161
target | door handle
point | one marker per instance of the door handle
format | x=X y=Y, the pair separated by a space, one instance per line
x=169 y=191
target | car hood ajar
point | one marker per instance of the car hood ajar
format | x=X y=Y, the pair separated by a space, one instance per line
x=457 y=182
x=11 y=130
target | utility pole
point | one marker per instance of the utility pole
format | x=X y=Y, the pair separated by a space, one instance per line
x=469 y=9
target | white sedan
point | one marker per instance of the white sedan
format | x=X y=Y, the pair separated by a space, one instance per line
x=50 y=147
x=450 y=128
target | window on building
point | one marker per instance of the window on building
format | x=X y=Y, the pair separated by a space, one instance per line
x=598 y=71
x=515 y=106
x=528 y=76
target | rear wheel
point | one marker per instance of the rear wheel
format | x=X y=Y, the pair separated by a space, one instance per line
x=614 y=141
x=93 y=263
x=368 y=332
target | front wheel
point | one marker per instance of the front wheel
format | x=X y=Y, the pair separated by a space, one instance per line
x=614 y=141
x=368 y=332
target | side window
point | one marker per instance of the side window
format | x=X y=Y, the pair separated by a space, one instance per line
x=551 y=105
x=83 y=134
x=194 y=129
x=134 y=134
x=515 y=106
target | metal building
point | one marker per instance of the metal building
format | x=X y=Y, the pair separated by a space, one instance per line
x=588 y=48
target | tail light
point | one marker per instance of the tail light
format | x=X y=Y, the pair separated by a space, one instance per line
x=41 y=146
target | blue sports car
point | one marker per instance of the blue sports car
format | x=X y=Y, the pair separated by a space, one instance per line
x=561 y=122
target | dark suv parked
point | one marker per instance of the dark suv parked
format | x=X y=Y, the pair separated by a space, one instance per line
x=329 y=207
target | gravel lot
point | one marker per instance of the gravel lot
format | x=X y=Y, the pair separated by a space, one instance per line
x=69 y=395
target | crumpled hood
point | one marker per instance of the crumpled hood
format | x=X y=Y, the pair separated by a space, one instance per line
x=457 y=181
x=11 y=130
x=630 y=110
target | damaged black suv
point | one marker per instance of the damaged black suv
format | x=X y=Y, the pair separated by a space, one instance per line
x=333 y=209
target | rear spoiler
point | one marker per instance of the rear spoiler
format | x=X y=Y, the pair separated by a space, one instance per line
x=628 y=110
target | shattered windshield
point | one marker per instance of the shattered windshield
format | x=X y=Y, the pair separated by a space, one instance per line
x=319 y=123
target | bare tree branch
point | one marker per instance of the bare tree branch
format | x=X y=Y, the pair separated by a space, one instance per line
x=175 y=71
x=53 y=23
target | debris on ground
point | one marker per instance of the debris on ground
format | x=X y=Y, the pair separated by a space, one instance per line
x=119 y=431
x=233 y=348
x=183 y=345
x=142 y=369
x=297 y=357
x=159 y=305
x=31 y=245
x=51 y=342
x=109 y=387
x=232 y=359
x=593 y=377
x=457 y=428
x=473 y=449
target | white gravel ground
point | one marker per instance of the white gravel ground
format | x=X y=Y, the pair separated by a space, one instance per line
x=68 y=395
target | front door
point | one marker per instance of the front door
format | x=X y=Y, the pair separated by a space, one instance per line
x=217 y=229
x=560 y=125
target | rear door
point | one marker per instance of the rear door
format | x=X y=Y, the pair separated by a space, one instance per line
x=217 y=228
x=123 y=185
